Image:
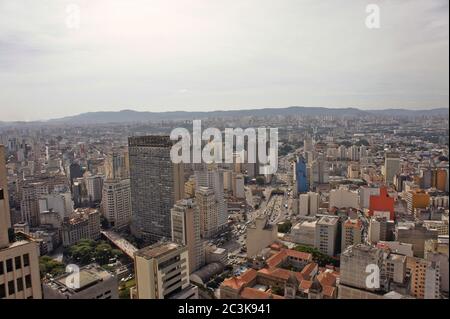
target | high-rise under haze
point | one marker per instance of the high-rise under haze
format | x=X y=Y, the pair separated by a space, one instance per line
x=156 y=184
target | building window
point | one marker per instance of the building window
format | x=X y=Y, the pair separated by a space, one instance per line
x=28 y=281
x=9 y=265
x=11 y=288
x=18 y=262
x=2 y=271
x=19 y=284
x=26 y=260
x=2 y=291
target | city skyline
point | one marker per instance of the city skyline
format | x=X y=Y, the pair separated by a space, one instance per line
x=197 y=56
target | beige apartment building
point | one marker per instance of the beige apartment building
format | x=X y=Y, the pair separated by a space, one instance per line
x=19 y=259
x=209 y=211
x=162 y=272
x=352 y=233
x=327 y=234
x=425 y=278
x=185 y=217
x=260 y=235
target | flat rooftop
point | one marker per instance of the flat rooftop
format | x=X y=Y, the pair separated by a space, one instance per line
x=88 y=276
x=157 y=250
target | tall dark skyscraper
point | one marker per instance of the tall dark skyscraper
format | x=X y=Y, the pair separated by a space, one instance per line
x=156 y=185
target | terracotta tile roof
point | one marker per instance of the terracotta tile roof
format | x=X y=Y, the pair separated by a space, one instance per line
x=280 y=273
x=305 y=285
x=278 y=258
x=276 y=246
x=328 y=291
x=299 y=276
x=238 y=282
x=252 y=293
x=326 y=279
x=299 y=255
x=309 y=268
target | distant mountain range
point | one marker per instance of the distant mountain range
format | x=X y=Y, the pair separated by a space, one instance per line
x=129 y=116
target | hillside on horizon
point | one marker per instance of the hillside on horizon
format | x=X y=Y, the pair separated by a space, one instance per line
x=131 y=116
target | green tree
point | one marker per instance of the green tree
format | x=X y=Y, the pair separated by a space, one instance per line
x=285 y=227
x=47 y=265
x=260 y=180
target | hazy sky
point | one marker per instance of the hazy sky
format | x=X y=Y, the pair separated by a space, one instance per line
x=160 y=55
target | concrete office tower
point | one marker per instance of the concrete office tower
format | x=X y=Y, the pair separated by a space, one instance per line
x=4 y=187
x=95 y=283
x=260 y=235
x=156 y=184
x=380 y=229
x=362 y=152
x=116 y=202
x=117 y=165
x=417 y=199
x=314 y=203
x=308 y=204
x=209 y=211
x=354 y=153
x=319 y=171
x=425 y=278
x=342 y=152
x=351 y=233
x=353 y=171
x=162 y=272
x=228 y=180
x=437 y=251
x=344 y=198
x=426 y=178
x=58 y=202
x=83 y=224
x=308 y=145
x=303 y=209
x=29 y=204
x=75 y=171
x=391 y=166
x=353 y=275
x=210 y=176
x=94 y=185
x=238 y=162
x=238 y=186
x=415 y=234
x=19 y=262
x=186 y=231
x=364 y=195
x=304 y=233
x=327 y=232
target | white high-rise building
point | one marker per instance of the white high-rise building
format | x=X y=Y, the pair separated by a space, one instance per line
x=303 y=205
x=208 y=208
x=327 y=234
x=344 y=197
x=238 y=185
x=186 y=231
x=162 y=272
x=116 y=203
x=210 y=176
x=94 y=185
x=58 y=202
x=391 y=166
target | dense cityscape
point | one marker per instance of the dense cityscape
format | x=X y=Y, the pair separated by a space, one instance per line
x=357 y=209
